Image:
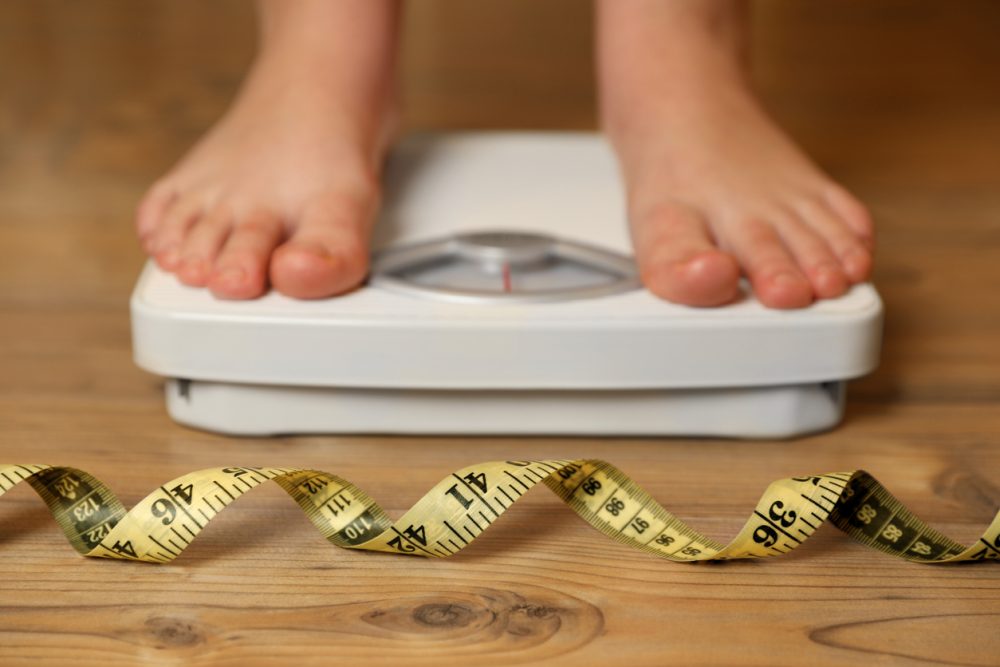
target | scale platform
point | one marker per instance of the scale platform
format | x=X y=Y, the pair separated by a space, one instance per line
x=502 y=300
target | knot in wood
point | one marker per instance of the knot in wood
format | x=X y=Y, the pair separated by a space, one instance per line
x=174 y=632
x=447 y=615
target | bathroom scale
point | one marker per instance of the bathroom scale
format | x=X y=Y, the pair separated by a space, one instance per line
x=502 y=299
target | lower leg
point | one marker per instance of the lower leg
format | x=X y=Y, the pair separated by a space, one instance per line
x=715 y=187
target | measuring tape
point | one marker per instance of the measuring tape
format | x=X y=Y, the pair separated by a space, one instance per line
x=460 y=507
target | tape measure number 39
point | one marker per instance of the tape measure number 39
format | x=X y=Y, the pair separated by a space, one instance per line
x=463 y=505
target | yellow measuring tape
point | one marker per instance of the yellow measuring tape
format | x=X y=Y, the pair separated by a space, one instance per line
x=456 y=511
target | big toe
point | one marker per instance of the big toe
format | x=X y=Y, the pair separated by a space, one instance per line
x=328 y=253
x=323 y=258
x=679 y=261
x=311 y=270
x=708 y=278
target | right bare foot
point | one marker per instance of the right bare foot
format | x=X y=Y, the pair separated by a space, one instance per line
x=715 y=187
x=283 y=190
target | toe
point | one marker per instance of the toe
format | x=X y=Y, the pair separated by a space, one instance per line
x=151 y=210
x=815 y=259
x=852 y=250
x=240 y=270
x=855 y=214
x=169 y=236
x=679 y=261
x=857 y=263
x=775 y=276
x=328 y=252
x=202 y=245
x=314 y=269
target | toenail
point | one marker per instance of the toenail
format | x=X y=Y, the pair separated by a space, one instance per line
x=232 y=276
x=826 y=275
x=856 y=261
x=169 y=255
x=830 y=281
x=785 y=280
x=192 y=266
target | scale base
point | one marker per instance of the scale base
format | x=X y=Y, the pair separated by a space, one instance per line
x=739 y=412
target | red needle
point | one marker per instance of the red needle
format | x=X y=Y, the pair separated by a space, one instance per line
x=506 y=277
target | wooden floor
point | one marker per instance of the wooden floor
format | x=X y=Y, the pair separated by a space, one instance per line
x=900 y=100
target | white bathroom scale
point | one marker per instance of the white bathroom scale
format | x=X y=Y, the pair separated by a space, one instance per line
x=502 y=299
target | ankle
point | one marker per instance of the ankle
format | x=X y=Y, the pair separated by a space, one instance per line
x=344 y=51
x=659 y=59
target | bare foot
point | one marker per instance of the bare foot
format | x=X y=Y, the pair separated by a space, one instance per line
x=716 y=189
x=283 y=190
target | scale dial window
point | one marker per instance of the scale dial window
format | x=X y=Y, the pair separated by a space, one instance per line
x=503 y=266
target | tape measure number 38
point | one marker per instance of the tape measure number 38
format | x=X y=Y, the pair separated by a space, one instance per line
x=463 y=505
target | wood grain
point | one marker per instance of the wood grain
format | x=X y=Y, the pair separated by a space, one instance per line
x=898 y=99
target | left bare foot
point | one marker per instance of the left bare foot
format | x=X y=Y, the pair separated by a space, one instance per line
x=716 y=189
x=282 y=192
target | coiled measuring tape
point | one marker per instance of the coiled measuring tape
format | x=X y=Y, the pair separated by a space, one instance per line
x=460 y=507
